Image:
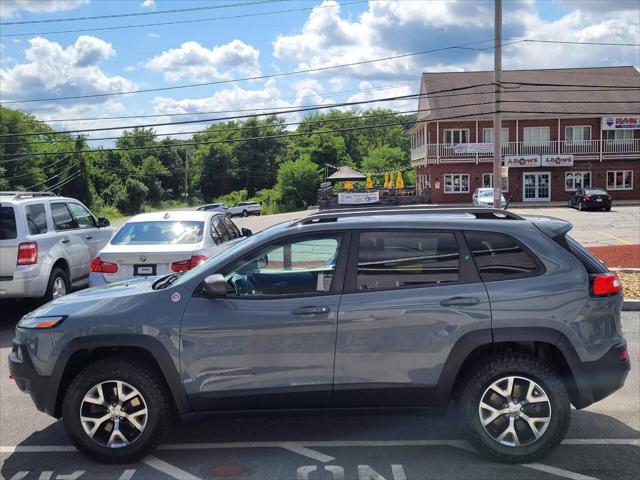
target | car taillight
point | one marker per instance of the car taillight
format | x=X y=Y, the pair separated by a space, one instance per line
x=27 y=253
x=99 y=266
x=184 y=265
x=606 y=284
x=624 y=355
x=587 y=197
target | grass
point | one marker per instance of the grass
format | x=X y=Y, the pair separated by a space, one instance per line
x=112 y=213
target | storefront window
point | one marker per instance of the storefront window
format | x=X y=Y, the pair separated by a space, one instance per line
x=456 y=183
x=487 y=181
x=575 y=180
x=620 y=180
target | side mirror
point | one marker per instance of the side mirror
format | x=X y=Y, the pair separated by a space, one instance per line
x=246 y=232
x=215 y=285
x=103 y=222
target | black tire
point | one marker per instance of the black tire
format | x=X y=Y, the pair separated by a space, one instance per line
x=153 y=391
x=607 y=209
x=57 y=275
x=473 y=390
x=245 y=213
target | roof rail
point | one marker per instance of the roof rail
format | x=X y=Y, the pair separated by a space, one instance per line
x=478 y=212
x=18 y=195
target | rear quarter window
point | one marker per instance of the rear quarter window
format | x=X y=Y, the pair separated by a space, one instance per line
x=501 y=257
x=8 y=230
x=36 y=219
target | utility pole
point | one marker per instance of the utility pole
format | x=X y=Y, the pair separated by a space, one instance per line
x=186 y=175
x=497 y=116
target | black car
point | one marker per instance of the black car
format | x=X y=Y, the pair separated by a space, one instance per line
x=585 y=198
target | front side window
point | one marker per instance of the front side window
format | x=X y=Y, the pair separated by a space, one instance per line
x=231 y=227
x=487 y=181
x=456 y=183
x=499 y=257
x=222 y=231
x=620 y=180
x=82 y=216
x=536 y=135
x=299 y=266
x=457 y=135
x=407 y=259
x=36 y=219
x=576 y=180
x=159 y=233
x=62 y=219
x=577 y=134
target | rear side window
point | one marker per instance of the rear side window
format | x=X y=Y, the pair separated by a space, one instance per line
x=36 y=219
x=8 y=229
x=62 y=219
x=500 y=257
x=407 y=259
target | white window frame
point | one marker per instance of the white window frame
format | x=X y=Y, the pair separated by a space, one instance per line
x=573 y=140
x=531 y=141
x=505 y=182
x=573 y=176
x=453 y=183
x=625 y=136
x=488 y=132
x=615 y=174
x=452 y=131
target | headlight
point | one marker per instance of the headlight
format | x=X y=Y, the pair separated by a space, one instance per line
x=41 y=322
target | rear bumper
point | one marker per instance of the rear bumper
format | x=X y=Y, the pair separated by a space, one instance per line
x=594 y=204
x=43 y=390
x=97 y=280
x=599 y=379
x=29 y=281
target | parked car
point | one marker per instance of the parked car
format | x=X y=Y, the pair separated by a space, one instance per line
x=46 y=244
x=508 y=316
x=483 y=197
x=590 y=198
x=245 y=209
x=159 y=243
x=215 y=207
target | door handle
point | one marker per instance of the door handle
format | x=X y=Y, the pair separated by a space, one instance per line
x=89 y=237
x=310 y=310
x=65 y=240
x=460 y=302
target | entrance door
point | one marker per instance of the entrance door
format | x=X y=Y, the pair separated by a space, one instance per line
x=536 y=187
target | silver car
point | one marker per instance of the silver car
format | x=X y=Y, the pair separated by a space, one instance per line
x=46 y=244
x=483 y=197
x=214 y=207
x=159 y=243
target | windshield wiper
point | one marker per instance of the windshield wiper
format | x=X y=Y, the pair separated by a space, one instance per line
x=166 y=280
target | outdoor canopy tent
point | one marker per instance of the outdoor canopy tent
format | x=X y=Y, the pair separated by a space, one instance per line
x=346 y=173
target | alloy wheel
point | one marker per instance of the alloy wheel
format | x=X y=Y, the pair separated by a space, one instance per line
x=113 y=414
x=59 y=288
x=515 y=411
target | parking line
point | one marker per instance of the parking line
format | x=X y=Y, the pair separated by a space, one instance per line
x=168 y=469
x=622 y=240
x=307 y=452
x=558 y=471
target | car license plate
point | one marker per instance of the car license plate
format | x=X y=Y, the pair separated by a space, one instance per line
x=144 y=270
x=598 y=199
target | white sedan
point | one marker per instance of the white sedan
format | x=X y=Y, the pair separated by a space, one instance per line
x=483 y=197
x=245 y=209
x=159 y=243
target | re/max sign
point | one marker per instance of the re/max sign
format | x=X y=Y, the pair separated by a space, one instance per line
x=614 y=122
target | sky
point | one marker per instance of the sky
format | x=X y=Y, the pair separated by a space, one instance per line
x=263 y=40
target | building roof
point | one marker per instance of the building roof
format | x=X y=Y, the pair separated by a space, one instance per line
x=533 y=93
x=346 y=173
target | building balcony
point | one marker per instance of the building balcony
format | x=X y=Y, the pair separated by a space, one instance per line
x=589 y=149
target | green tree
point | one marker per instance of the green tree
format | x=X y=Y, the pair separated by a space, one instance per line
x=131 y=198
x=298 y=182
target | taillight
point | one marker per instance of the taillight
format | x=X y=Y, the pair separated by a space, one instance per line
x=624 y=355
x=184 y=265
x=27 y=253
x=606 y=284
x=99 y=266
x=587 y=197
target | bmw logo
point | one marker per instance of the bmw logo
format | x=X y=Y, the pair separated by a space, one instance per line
x=143 y=258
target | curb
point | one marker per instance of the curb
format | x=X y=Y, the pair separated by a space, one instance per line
x=631 y=306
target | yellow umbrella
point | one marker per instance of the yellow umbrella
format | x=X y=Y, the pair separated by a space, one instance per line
x=391 y=180
x=369 y=182
x=399 y=181
x=386 y=180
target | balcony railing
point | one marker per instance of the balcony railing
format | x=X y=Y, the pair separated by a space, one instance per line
x=576 y=147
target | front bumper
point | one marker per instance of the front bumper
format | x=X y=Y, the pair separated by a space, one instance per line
x=43 y=389
x=599 y=379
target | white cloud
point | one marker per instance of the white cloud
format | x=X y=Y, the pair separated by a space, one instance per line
x=368 y=94
x=52 y=71
x=199 y=63
x=153 y=35
x=9 y=8
x=148 y=4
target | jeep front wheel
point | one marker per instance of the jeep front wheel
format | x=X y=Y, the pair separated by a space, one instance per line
x=515 y=409
x=116 y=410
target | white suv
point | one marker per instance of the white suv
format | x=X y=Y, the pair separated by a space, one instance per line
x=245 y=209
x=46 y=244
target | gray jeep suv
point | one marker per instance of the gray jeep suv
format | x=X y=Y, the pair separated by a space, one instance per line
x=507 y=316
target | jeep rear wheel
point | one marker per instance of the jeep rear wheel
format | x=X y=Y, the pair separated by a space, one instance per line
x=515 y=409
x=58 y=285
x=116 y=410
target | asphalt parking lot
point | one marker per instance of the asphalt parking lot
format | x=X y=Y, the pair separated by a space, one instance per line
x=603 y=441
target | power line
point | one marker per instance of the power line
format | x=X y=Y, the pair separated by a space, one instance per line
x=180 y=22
x=64 y=182
x=51 y=178
x=568 y=42
x=140 y=14
x=233 y=80
x=40 y=166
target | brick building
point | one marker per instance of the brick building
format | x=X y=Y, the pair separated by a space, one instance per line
x=561 y=129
